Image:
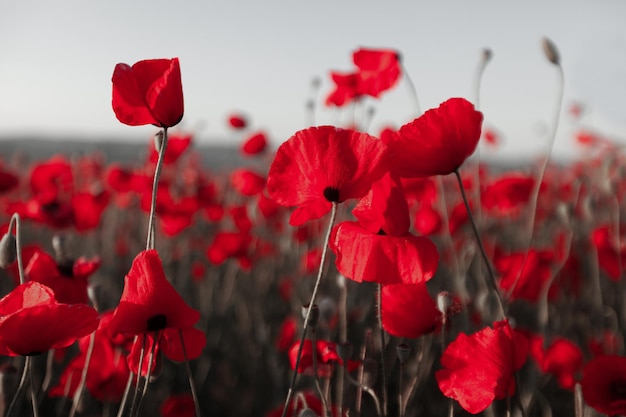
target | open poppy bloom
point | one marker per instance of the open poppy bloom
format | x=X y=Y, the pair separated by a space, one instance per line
x=379 y=70
x=149 y=302
x=30 y=317
x=326 y=356
x=149 y=92
x=407 y=310
x=322 y=165
x=479 y=368
x=604 y=384
x=437 y=142
x=68 y=280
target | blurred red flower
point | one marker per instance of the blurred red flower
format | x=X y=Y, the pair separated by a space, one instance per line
x=180 y=405
x=149 y=92
x=319 y=166
x=30 y=318
x=604 y=384
x=346 y=88
x=561 y=358
x=379 y=70
x=255 y=144
x=438 y=142
x=526 y=284
x=326 y=356
x=479 y=368
x=149 y=302
x=247 y=182
x=507 y=195
x=176 y=145
x=611 y=254
x=408 y=310
x=237 y=121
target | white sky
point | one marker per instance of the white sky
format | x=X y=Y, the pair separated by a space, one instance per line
x=259 y=57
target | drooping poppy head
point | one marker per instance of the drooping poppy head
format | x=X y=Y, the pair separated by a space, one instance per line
x=319 y=166
x=365 y=256
x=437 y=142
x=479 y=368
x=30 y=318
x=149 y=92
x=604 y=384
x=149 y=302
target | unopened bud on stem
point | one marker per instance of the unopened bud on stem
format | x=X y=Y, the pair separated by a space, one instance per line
x=8 y=251
x=552 y=53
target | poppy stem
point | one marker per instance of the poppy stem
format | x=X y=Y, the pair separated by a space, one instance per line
x=83 y=376
x=307 y=317
x=155 y=188
x=139 y=368
x=492 y=278
x=484 y=60
x=155 y=340
x=20 y=387
x=129 y=384
x=367 y=389
x=15 y=224
x=318 y=387
x=412 y=89
x=192 y=384
x=33 y=395
x=383 y=370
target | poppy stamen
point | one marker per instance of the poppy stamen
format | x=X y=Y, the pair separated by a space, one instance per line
x=331 y=194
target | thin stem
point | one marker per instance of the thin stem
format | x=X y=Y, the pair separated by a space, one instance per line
x=333 y=214
x=318 y=387
x=491 y=275
x=192 y=384
x=20 y=387
x=400 y=375
x=383 y=369
x=367 y=389
x=155 y=340
x=412 y=89
x=83 y=376
x=129 y=384
x=33 y=395
x=139 y=368
x=155 y=188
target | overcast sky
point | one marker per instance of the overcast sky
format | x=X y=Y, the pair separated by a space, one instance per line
x=259 y=57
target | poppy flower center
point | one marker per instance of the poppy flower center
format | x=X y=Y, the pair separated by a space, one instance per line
x=51 y=207
x=618 y=390
x=331 y=194
x=66 y=268
x=157 y=322
x=381 y=232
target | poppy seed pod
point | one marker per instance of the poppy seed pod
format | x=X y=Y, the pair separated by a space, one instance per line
x=403 y=350
x=8 y=251
x=345 y=350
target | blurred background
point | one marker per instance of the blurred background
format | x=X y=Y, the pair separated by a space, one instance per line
x=260 y=58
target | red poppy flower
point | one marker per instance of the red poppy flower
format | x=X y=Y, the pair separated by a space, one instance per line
x=604 y=384
x=230 y=244
x=428 y=221
x=149 y=302
x=30 y=317
x=384 y=207
x=365 y=256
x=68 y=279
x=438 y=142
x=611 y=258
x=561 y=358
x=176 y=146
x=149 y=92
x=237 y=121
x=379 y=70
x=323 y=165
x=326 y=356
x=479 y=368
x=247 y=182
x=88 y=209
x=530 y=282
x=286 y=333
x=8 y=180
x=507 y=195
x=346 y=88
x=107 y=374
x=255 y=144
x=491 y=137
x=408 y=310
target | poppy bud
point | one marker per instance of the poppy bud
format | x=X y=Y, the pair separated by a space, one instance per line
x=444 y=302
x=59 y=244
x=344 y=351
x=551 y=52
x=8 y=251
x=158 y=141
x=403 y=350
x=487 y=55
x=313 y=317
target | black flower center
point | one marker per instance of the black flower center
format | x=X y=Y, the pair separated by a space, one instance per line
x=66 y=268
x=157 y=322
x=331 y=194
x=381 y=232
x=618 y=390
x=51 y=207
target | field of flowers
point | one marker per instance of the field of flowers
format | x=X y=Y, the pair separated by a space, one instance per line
x=343 y=274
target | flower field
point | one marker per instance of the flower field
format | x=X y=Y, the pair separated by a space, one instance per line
x=345 y=273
